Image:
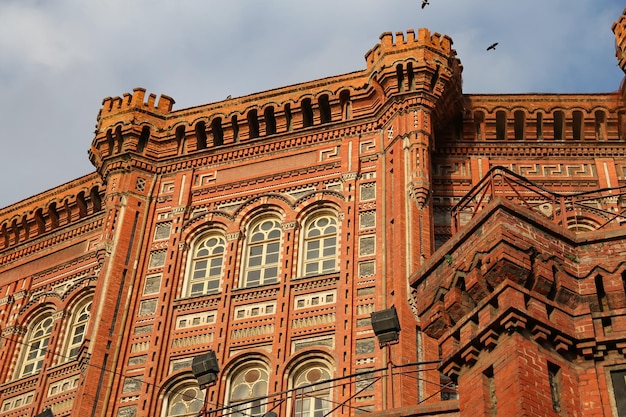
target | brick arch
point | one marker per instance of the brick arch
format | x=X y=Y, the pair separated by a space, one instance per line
x=34 y=309
x=239 y=360
x=321 y=197
x=193 y=222
x=277 y=203
x=320 y=353
x=582 y=215
x=170 y=382
x=75 y=294
x=193 y=233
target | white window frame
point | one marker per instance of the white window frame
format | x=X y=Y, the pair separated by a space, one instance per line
x=209 y=282
x=78 y=328
x=263 y=252
x=319 y=245
x=248 y=391
x=36 y=345
x=314 y=398
x=179 y=394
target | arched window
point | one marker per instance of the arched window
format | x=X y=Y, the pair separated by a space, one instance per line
x=185 y=400
x=263 y=251
x=206 y=265
x=80 y=319
x=36 y=345
x=320 y=245
x=248 y=391
x=312 y=394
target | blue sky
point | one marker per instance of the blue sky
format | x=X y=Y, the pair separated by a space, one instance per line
x=59 y=59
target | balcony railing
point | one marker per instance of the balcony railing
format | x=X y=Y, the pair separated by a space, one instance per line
x=586 y=211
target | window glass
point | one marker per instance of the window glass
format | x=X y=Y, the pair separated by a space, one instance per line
x=263 y=253
x=36 y=346
x=313 y=399
x=185 y=400
x=249 y=390
x=320 y=246
x=206 y=266
x=80 y=319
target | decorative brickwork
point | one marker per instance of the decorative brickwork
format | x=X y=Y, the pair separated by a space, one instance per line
x=269 y=227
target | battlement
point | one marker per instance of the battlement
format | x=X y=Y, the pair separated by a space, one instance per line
x=389 y=43
x=619 y=29
x=113 y=105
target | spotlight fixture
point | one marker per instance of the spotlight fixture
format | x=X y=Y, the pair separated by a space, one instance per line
x=386 y=325
x=205 y=368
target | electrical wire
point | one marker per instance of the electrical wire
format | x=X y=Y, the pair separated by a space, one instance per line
x=335 y=382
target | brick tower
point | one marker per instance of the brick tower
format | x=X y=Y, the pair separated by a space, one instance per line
x=268 y=228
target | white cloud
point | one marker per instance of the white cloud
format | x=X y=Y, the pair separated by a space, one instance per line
x=30 y=37
x=59 y=59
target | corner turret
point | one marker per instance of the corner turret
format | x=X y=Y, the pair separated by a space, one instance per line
x=125 y=124
x=431 y=67
x=619 y=29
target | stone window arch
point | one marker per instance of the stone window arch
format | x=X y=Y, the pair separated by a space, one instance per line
x=248 y=390
x=262 y=252
x=312 y=394
x=78 y=327
x=207 y=262
x=319 y=248
x=35 y=345
x=184 y=400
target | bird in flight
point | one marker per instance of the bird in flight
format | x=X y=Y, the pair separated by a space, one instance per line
x=425 y=3
x=492 y=46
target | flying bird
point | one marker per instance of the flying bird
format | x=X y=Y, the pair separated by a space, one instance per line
x=425 y=3
x=492 y=46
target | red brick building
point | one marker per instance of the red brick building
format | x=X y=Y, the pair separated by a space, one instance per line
x=267 y=229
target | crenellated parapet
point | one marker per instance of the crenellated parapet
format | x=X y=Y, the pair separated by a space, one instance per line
x=148 y=129
x=118 y=107
x=619 y=29
x=431 y=68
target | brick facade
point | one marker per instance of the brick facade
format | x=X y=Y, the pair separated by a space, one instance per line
x=268 y=228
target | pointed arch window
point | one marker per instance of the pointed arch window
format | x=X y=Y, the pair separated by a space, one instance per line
x=249 y=390
x=320 y=245
x=80 y=320
x=184 y=400
x=36 y=346
x=312 y=394
x=206 y=265
x=263 y=253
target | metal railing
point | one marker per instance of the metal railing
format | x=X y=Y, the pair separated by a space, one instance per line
x=592 y=210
